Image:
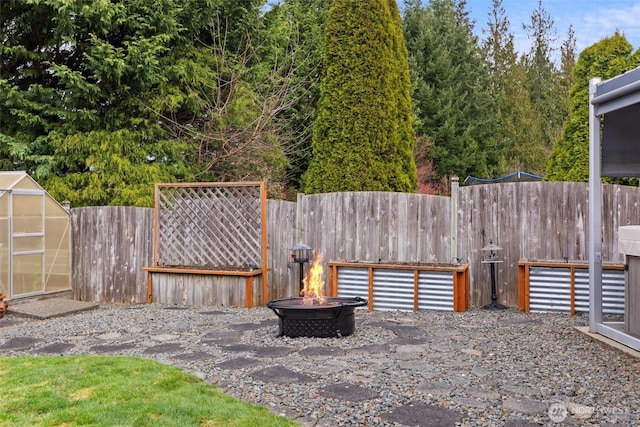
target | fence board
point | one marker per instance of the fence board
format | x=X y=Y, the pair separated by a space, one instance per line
x=110 y=245
x=372 y=226
x=281 y=217
x=205 y=289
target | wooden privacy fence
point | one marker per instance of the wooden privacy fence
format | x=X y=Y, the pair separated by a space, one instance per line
x=377 y=226
x=111 y=246
x=534 y=220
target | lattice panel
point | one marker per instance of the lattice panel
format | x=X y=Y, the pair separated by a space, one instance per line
x=209 y=226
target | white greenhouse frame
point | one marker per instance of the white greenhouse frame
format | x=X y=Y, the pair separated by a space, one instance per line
x=35 y=239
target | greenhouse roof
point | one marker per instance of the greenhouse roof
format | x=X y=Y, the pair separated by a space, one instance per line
x=17 y=180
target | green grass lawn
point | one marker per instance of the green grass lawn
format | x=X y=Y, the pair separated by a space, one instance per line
x=116 y=391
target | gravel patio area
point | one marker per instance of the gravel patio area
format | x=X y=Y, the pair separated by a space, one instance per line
x=478 y=368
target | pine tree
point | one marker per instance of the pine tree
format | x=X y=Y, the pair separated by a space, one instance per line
x=517 y=132
x=363 y=138
x=456 y=115
x=547 y=91
x=96 y=97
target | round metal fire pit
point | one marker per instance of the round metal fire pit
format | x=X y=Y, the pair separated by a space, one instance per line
x=332 y=318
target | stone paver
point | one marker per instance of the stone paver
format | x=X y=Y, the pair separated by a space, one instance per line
x=112 y=348
x=51 y=307
x=164 y=348
x=525 y=405
x=15 y=344
x=280 y=375
x=272 y=352
x=194 y=356
x=423 y=415
x=239 y=363
x=321 y=351
x=348 y=392
x=57 y=348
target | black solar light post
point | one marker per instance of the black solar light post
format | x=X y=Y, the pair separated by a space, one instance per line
x=490 y=256
x=300 y=254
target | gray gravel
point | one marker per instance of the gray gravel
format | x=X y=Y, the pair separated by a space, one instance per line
x=479 y=368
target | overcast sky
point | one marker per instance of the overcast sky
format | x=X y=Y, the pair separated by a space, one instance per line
x=592 y=20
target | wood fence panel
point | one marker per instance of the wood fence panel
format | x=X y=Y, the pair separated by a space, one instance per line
x=620 y=206
x=361 y=228
x=516 y=217
x=349 y=225
x=110 y=245
x=535 y=220
x=577 y=221
x=373 y=226
x=506 y=206
x=281 y=219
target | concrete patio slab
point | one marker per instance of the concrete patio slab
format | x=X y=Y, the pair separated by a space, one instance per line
x=49 y=307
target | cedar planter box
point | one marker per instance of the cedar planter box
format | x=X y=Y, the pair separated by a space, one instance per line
x=406 y=286
x=201 y=287
x=559 y=286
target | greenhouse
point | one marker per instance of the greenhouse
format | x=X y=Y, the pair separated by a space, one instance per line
x=35 y=239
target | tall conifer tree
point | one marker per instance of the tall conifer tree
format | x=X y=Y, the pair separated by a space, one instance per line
x=363 y=136
x=517 y=131
x=544 y=81
x=456 y=114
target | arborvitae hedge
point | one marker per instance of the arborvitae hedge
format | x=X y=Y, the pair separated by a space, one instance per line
x=363 y=138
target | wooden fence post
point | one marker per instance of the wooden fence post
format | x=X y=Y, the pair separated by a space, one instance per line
x=454 y=218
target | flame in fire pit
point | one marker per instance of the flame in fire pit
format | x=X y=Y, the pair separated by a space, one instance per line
x=313 y=292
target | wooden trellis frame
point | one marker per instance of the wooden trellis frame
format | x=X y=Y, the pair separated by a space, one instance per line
x=211 y=228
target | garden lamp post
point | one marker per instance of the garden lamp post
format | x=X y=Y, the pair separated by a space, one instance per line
x=300 y=254
x=490 y=256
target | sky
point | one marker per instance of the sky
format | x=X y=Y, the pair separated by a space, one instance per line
x=592 y=20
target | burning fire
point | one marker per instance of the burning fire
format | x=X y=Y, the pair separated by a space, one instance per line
x=313 y=284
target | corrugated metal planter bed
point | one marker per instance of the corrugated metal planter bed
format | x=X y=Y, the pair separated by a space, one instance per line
x=563 y=286
x=402 y=285
x=189 y=286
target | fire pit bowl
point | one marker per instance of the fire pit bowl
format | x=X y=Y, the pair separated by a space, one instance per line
x=332 y=318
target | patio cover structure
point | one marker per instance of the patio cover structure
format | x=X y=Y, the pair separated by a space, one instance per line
x=613 y=152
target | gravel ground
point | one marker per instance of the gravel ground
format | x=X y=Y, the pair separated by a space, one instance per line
x=478 y=368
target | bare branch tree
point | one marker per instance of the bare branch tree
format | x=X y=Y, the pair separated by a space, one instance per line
x=237 y=134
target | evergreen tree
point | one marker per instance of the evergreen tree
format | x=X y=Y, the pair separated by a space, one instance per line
x=564 y=77
x=606 y=59
x=456 y=114
x=517 y=131
x=101 y=100
x=71 y=81
x=363 y=137
x=547 y=91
